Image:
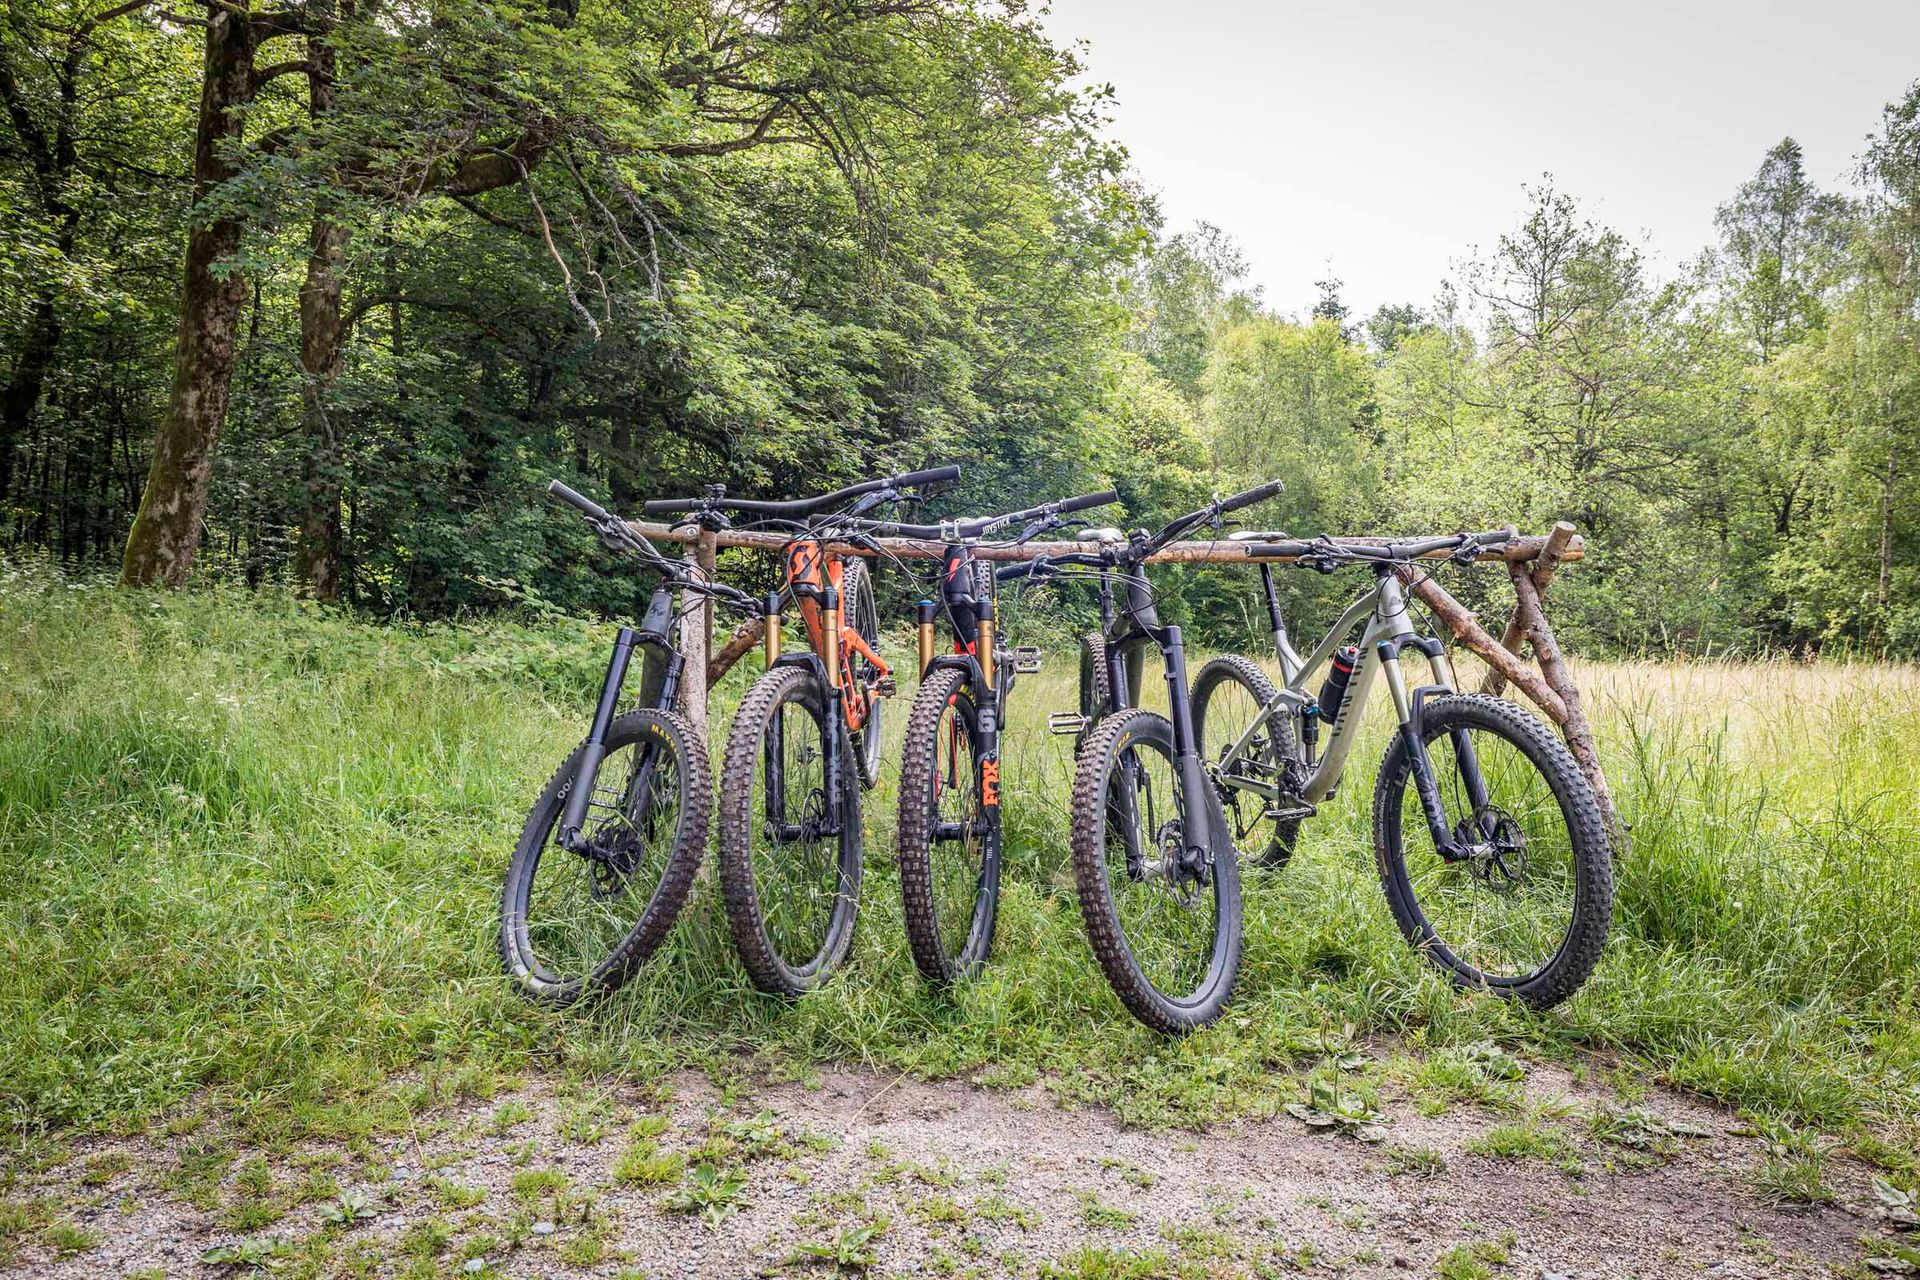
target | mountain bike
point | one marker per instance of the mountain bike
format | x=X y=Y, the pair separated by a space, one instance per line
x=610 y=850
x=949 y=840
x=1153 y=855
x=1496 y=861
x=790 y=823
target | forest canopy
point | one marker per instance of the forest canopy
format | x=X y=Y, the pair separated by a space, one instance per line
x=325 y=290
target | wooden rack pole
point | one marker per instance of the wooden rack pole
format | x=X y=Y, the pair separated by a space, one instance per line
x=1223 y=551
x=1531 y=563
x=696 y=639
x=1543 y=570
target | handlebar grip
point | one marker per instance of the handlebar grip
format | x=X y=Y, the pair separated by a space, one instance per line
x=667 y=506
x=1087 y=501
x=1010 y=572
x=1259 y=493
x=937 y=475
x=555 y=489
x=1493 y=537
x=1273 y=550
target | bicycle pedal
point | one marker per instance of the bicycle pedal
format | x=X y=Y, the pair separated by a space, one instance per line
x=1026 y=658
x=1280 y=813
x=1066 y=722
x=885 y=687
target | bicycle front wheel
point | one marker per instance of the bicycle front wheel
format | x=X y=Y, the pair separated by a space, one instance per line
x=790 y=846
x=576 y=924
x=1525 y=912
x=1165 y=930
x=949 y=841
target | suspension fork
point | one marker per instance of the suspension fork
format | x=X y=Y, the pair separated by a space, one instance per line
x=1411 y=707
x=594 y=750
x=773 y=754
x=1198 y=818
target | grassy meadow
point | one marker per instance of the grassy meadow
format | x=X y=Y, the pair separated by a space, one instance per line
x=252 y=851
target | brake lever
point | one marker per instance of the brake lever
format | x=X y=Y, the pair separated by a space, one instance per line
x=1466 y=553
x=1035 y=528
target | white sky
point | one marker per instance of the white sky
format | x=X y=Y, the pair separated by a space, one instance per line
x=1393 y=136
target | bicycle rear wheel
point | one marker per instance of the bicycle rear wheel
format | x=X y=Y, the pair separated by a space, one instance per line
x=1527 y=912
x=790 y=849
x=577 y=924
x=1166 y=935
x=1229 y=694
x=949 y=839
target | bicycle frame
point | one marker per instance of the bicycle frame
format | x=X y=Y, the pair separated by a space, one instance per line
x=974 y=621
x=814 y=574
x=1383 y=610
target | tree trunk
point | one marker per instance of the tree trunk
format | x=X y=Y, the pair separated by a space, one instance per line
x=24 y=384
x=322 y=355
x=166 y=531
x=1886 y=531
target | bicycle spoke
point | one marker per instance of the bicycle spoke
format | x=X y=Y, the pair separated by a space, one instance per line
x=1507 y=907
x=1167 y=920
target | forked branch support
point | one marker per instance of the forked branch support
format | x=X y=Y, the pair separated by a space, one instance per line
x=1531 y=563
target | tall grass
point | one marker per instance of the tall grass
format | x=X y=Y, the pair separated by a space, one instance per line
x=253 y=847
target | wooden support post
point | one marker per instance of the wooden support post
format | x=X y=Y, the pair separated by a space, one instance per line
x=695 y=640
x=1543 y=570
x=1573 y=722
x=1467 y=630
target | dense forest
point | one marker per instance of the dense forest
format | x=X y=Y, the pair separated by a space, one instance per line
x=323 y=291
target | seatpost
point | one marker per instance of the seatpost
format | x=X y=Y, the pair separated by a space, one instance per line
x=1277 y=623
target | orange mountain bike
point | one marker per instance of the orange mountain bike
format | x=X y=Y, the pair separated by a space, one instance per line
x=790 y=837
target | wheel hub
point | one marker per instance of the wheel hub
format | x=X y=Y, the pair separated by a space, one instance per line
x=1496 y=848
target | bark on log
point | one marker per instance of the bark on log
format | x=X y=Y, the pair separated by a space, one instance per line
x=1467 y=630
x=693 y=648
x=1573 y=725
x=738 y=645
x=1543 y=570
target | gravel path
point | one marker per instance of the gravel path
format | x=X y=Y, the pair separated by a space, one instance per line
x=902 y=1177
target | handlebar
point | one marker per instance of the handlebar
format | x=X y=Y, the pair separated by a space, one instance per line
x=799 y=507
x=616 y=535
x=1213 y=510
x=1407 y=550
x=588 y=507
x=968 y=530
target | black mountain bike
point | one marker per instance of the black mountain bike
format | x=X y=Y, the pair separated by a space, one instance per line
x=1153 y=854
x=949 y=828
x=609 y=853
x=806 y=738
